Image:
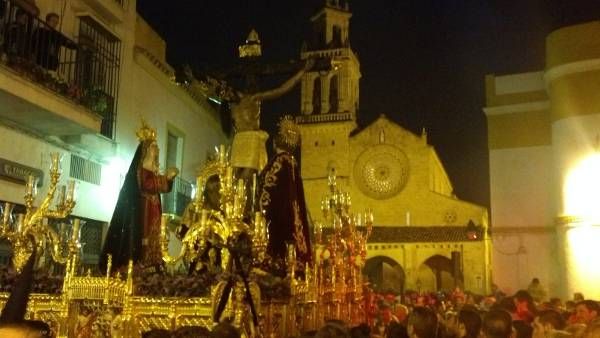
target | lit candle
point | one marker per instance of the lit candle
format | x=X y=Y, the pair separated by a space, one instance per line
x=318 y=232
x=55 y=165
x=229 y=177
x=199 y=189
x=7 y=211
x=342 y=199
x=241 y=187
x=70 y=191
x=20 y=222
x=257 y=222
x=163 y=224
x=30 y=185
x=222 y=153
x=75 y=234
x=60 y=198
x=254 y=191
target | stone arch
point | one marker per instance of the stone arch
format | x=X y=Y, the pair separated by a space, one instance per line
x=437 y=273
x=385 y=274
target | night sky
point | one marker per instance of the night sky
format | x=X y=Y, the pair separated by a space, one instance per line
x=423 y=62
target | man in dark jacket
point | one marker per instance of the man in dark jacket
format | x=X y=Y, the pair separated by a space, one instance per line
x=47 y=42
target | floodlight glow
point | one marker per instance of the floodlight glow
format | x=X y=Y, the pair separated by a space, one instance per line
x=582 y=190
x=112 y=179
x=583 y=260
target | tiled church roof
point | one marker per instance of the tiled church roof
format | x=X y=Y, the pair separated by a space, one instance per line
x=412 y=234
x=409 y=234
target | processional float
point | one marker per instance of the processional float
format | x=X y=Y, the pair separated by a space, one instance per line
x=331 y=287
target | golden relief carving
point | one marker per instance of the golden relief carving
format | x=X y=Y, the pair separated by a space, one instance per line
x=298 y=226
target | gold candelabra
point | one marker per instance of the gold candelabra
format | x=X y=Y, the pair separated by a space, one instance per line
x=34 y=223
x=222 y=229
x=340 y=256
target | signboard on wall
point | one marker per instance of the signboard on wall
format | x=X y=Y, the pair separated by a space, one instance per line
x=15 y=172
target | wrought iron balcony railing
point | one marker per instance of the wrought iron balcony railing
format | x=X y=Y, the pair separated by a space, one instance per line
x=175 y=201
x=85 y=72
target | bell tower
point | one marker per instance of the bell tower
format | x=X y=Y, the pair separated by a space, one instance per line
x=329 y=95
x=332 y=86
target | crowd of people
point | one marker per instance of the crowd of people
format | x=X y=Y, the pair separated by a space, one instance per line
x=43 y=281
x=526 y=314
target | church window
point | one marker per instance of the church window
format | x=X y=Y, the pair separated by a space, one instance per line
x=336 y=38
x=333 y=94
x=316 y=99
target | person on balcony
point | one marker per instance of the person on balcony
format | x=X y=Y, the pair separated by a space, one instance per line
x=281 y=198
x=17 y=35
x=134 y=229
x=47 y=42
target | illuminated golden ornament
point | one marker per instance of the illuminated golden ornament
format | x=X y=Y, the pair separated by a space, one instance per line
x=252 y=47
x=146 y=133
x=33 y=224
x=289 y=132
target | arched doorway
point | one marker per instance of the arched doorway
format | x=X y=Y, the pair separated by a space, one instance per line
x=385 y=274
x=439 y=273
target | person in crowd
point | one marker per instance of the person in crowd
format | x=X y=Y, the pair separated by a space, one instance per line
x=450 y=325
x=156 y=333
x=525 y=306
x=12 y=317
x=557 y=304
x=48 y=41
x=593 y=331
x=587 y=311
x=469 y=324
x=497 y=324
x=333 y=329
x=422 y=323
x=191 y=332
x=225 y=330
x=360 y=331
x=549 y=324
x=26 y=329
x=537 y=291
x=395 y=330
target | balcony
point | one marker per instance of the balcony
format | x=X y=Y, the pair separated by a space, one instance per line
x=112 y=10
x=50 y=84
x=174 y=202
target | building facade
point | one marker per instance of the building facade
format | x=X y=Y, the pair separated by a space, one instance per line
x=87 y=102
x=543 y=140
x=421 y=240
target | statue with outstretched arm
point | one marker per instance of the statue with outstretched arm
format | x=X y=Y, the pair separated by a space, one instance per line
x=248 y=148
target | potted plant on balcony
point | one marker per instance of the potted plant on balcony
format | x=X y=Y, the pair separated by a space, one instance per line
x=96 y=100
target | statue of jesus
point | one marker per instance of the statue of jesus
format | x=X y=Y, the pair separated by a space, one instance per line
x=248 y=149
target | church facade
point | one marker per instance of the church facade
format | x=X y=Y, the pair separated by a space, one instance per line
x=424 y=238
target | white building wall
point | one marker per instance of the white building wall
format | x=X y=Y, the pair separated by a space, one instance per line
x=140 y=94
x=524 y=241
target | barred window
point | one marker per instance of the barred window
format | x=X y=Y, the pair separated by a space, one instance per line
x=99 y=60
